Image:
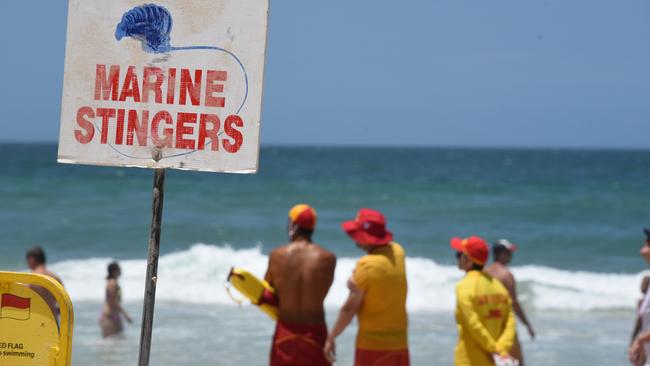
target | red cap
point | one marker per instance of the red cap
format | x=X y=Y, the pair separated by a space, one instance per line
x=369 y=228
x=474 y=247
x=304 y=216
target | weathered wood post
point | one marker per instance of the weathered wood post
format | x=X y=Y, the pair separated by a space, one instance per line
x=152 y=263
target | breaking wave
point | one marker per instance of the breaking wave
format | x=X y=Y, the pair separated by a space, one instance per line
x=197 y=275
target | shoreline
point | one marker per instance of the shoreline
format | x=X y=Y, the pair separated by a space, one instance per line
x=185 y=333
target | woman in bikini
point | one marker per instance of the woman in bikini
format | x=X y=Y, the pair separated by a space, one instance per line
x=112 y=312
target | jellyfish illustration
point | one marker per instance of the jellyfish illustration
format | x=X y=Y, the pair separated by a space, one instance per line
x=150 y=24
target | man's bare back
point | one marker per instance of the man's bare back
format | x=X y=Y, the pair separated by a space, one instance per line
x=45 y=294
x=503 y=274
x=500 y=271
x=301 y=273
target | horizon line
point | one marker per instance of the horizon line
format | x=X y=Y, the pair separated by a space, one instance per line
x=396 y=146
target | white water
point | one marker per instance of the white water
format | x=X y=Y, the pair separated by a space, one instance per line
x=197 y=275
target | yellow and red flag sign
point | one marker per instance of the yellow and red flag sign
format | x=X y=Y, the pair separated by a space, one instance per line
x=29 y=331
x=15 y=307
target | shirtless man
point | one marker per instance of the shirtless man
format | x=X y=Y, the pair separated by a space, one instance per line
x=502 y=253
x=36 y=262
x=301 y=273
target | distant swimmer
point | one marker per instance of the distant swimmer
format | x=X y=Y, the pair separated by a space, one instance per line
x=301 y=273
x=640 y=348
x=36 y=260
x=378 y=290
x=484 y=316
x=111 y=318
x=502 y=252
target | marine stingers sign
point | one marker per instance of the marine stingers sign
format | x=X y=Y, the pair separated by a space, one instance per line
x=180 y=76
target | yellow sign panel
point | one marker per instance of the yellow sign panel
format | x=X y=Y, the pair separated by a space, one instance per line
x=29 y=331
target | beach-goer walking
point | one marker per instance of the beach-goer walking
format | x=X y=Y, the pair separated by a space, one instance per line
x=502 y=252
x=640 y=348
x=301 y=273
x=484 y=316
x=378 y=290
x=36 y=262
x=111 y=318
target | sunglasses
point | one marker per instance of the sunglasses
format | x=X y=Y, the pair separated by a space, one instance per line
x=458 y=255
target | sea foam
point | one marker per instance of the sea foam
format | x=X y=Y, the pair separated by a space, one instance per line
x=198 y=275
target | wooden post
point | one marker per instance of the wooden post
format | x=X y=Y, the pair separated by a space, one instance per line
x=152 y=267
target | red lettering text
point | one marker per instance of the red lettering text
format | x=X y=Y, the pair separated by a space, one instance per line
x=167 y=132
x=236 y=135
x=86 y=137
x=105 y=114
x=106 y=87
x=211 y=87
x=211 y=132
x=130 y=87
x=139 y=127
x=182 y=129
x=189 y=87
x=155 y=85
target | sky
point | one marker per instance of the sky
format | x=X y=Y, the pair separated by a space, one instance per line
x=501 y=73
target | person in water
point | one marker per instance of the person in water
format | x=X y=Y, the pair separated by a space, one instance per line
x=640 y=348
x=502 y=252
x=301 y=273
x=484 y=316
x=36 y=261
x=378 y=290
x=112 y=312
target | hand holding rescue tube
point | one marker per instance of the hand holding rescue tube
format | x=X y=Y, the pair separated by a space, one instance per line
x=259 y=292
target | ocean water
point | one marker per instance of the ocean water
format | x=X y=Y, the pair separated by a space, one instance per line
x=576 y=215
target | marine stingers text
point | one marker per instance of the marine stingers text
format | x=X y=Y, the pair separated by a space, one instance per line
x=177 y=89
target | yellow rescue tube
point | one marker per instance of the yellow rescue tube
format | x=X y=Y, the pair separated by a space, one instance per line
x=258 y=291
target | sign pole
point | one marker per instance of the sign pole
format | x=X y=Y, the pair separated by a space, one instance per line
x=152 y=267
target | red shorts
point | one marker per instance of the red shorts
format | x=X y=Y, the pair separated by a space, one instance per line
x=299 y=345
x=382 y=358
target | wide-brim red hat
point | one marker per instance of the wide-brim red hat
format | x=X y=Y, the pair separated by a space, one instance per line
x=369 y=228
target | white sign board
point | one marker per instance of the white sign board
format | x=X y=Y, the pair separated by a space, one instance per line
x=167 y=84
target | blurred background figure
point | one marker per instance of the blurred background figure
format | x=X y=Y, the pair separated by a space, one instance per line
x=638 y=352
x=645 y=281
x=36 y=259
x=112 y=312
x=502 y=252
x=485 y=320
